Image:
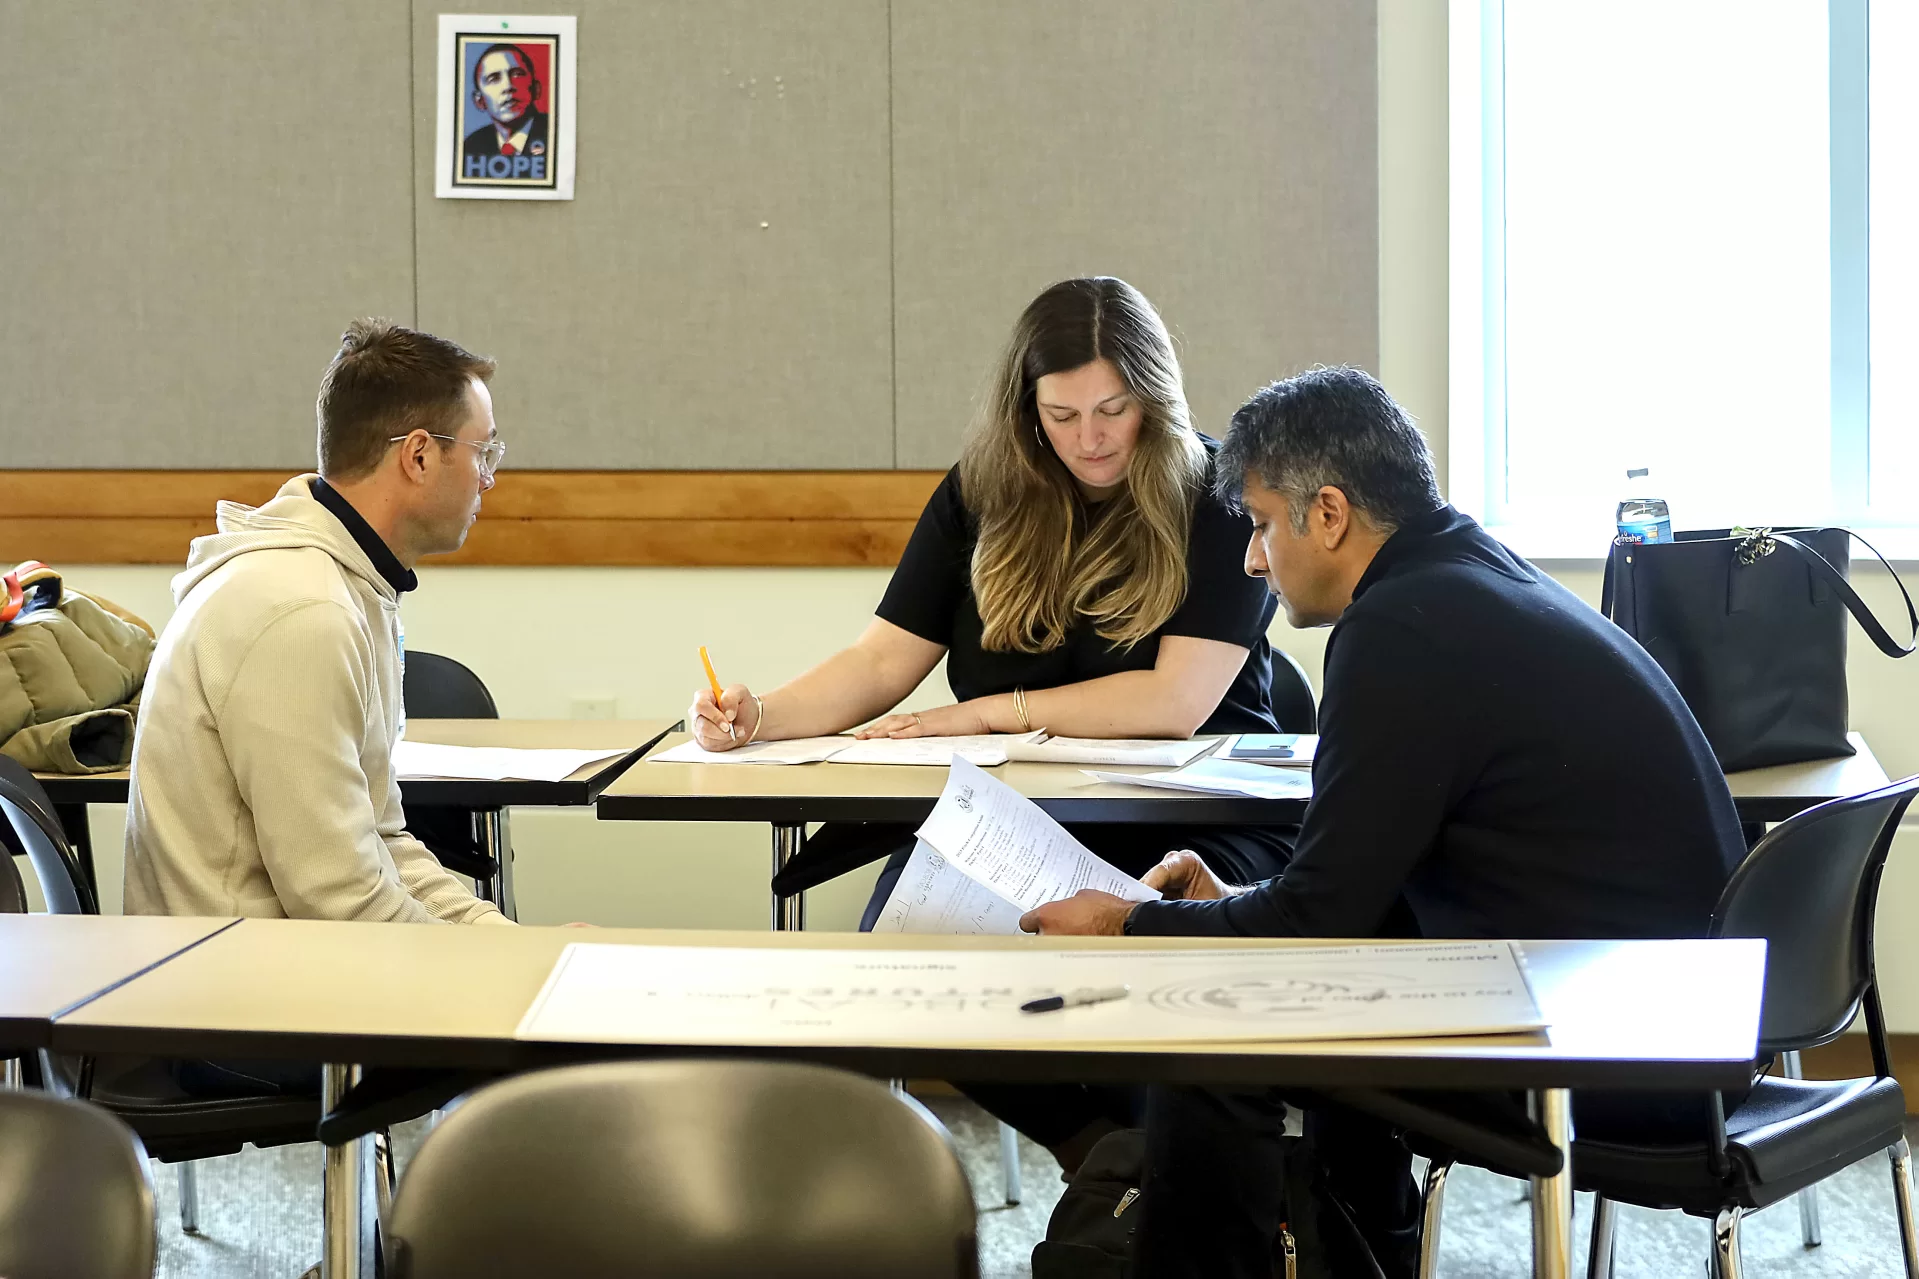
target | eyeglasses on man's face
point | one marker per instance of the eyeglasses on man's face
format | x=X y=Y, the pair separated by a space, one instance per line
x=492 y=452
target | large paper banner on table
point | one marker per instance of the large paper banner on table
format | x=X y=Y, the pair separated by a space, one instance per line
x=743 y=996
x=505 y=108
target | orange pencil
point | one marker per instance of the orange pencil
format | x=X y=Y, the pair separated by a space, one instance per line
x=714 y=681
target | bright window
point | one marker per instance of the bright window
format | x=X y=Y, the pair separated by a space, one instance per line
x=1661 y=212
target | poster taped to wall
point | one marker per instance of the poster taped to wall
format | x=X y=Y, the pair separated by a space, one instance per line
x=505 y=109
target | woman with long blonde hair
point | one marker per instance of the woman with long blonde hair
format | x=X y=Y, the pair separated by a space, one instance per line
x=1078 y=575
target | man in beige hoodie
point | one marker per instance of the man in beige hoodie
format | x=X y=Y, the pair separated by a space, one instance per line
x=263 y=779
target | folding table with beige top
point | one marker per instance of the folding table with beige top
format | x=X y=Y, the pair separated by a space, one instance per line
x=71 y=794
x=789 y=796
x=52 y=963
x=1656 y=1015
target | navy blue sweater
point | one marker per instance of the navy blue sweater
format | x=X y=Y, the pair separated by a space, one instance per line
x=1500 y=755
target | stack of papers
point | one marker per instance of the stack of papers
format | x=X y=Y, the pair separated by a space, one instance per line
x=492 y=763
x=937 y=752
x=742 y=996
x=798 y=750
x=986 y=750
x=986 y=856
x=1222 y=777
x=1110 y=750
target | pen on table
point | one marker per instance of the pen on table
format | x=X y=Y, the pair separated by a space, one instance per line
x=1075 y=998
x=714 y=680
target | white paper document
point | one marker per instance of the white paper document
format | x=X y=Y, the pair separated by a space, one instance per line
x=798 y=750
x=933 y=897
x=1109 y=750
x=492 y=763
x=784 y=995
x=985 y=750
x=1222 y=777
x=991 y=833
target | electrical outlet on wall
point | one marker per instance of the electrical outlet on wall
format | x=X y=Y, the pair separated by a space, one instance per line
x=595 y=708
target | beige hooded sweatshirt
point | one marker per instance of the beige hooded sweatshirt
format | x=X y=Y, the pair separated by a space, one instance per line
x=263 y=779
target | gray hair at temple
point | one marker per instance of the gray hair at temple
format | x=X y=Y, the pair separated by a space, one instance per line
x=1332 y=427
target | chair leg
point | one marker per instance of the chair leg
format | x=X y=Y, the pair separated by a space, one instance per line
x=1605 y=1221
x=1790 y=1067
x=10 y=1074
x=190 y=1197
x=383 y=1179
x=1009 y=1161
x=1901 y=1156
x=1725 y=1243
x=1435 y=1201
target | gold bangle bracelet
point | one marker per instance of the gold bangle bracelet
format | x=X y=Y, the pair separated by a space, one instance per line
x=758 y=721
x=1019 y=709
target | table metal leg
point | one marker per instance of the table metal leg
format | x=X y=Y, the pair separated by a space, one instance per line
x=10 y=1069
x=497 y=843
x=1009 y=1170
x=789 y=913
x=343 y=1188
x=1553 y=1196
x=1791 y=1068
x=189 y=1197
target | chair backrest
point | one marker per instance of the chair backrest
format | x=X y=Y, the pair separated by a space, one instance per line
x=28 y=817
x=1809 y=888
x=75 y=1200
x=13 y=892
x=1293 y=705
x=684 y=1168
x=440 y=688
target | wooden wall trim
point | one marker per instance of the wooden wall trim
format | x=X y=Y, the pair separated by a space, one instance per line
x=636 y=518
x=1850 y=1057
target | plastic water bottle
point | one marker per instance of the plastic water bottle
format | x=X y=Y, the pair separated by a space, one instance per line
x=1642 y=518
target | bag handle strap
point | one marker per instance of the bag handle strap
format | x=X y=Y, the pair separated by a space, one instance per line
x=1860 y=610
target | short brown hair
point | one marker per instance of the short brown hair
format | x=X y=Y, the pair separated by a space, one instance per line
x=388 y=380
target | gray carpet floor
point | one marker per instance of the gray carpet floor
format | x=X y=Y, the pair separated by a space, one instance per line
x=260 y=1218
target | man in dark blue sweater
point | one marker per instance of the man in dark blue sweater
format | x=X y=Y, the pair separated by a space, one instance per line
x=1494 y=755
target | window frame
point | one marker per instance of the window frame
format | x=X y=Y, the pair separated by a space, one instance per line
x=1477 y=418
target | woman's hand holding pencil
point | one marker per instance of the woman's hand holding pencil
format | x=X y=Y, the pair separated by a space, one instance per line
x=715 y=718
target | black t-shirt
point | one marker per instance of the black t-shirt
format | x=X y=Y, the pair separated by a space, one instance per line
x=931 y=595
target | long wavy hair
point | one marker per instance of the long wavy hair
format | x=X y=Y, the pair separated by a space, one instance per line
x=1045 y=558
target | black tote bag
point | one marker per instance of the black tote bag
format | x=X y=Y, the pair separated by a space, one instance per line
x=1751 y=626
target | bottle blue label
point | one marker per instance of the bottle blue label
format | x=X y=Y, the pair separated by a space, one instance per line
x=1646 y=531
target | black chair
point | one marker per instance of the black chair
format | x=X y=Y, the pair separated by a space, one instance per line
x=438 y=687
x=13 y=889
x=75 y=1202
x=691 y=1169
x=1294 y=708
x=1809 y=888
x=13 y=901
x=175 y=1126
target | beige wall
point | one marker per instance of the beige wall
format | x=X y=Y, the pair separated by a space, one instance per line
x=801 y=230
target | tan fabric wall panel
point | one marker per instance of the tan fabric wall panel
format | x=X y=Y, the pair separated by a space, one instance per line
x=197 y=198
x=718 y=294
x=1220 y=156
